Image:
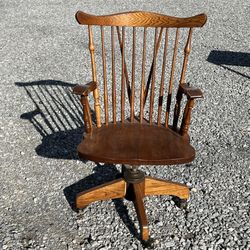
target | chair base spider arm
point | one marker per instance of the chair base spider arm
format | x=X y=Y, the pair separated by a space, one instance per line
x=111 y=190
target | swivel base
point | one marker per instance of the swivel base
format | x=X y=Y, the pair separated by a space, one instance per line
x=133 y=186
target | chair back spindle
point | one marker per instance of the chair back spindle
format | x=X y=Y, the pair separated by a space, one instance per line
x=152 y=67
x=125 y=65
x=187 y=51
x=132 y=100
x=153 y=79
x=143 y=75
x=171 y=81
x=123 y=77
x=113 y=76
x=160 y=102
x=105 y=87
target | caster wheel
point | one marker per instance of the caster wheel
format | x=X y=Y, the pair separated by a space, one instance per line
x=181 y=203
x=119 y=175
x=149 y=244
x=76 y=210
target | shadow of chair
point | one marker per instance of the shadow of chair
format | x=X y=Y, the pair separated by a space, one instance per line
x=230 y=58
x=56 y=117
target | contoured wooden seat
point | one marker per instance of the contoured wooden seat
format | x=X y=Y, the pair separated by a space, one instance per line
x=133 y=113
x=136 y=144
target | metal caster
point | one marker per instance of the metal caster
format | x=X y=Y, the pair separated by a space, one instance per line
x=149 y=244
x=181 y=203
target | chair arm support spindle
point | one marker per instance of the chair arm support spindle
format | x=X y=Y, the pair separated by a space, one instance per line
x=83 y=91
x=86 y=114
x=177 y=109
x=187 y=117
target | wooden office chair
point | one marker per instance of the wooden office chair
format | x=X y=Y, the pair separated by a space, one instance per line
x=142 y=136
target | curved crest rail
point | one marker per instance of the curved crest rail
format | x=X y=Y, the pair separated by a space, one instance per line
x=141 y=19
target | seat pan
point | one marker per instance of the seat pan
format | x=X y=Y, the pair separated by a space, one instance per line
x=135 y=144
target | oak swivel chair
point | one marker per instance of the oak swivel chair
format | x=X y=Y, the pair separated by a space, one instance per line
x=132 y=115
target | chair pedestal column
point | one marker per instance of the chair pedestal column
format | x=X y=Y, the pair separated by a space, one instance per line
x=135 y=192
x=134 y=186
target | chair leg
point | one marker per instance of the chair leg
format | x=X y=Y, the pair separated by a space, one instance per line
x=140 y=210
x=154 y=186
x=110 y=190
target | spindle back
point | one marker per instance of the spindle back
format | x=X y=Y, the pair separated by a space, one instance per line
x=136 y=66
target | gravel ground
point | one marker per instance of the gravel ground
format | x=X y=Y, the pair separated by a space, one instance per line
x=42 y=54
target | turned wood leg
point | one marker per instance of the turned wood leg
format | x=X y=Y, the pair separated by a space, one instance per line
x=154 y=186
x=110 y=190
x=140 y=210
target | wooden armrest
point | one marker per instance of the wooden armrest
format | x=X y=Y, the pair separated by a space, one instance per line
x=191 y=92
x=84 y=89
